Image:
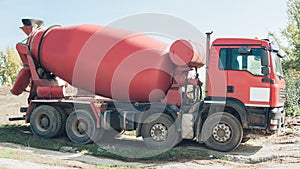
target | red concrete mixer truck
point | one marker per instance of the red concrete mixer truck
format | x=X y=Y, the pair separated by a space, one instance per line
x=148 y=86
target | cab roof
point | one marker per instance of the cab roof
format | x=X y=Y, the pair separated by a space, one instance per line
x=239 y=42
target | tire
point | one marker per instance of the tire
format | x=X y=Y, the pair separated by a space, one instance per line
x=167 y=136
x=222 y=132
x=81 y=127
x=46 y=121
x=63 y=121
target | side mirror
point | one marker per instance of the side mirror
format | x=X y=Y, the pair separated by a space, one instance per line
x=245 y=50
x=265 y=61
x=265 y=70
x=281 y=53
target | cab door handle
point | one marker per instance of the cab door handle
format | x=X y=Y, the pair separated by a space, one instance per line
x=230 y=89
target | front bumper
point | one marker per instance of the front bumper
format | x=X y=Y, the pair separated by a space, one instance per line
x=276 y=119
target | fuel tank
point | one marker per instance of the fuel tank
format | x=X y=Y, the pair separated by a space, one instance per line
x=111 y=62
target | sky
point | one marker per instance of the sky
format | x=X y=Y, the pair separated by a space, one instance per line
x=227 y=18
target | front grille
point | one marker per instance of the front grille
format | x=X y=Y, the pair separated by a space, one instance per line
x=281 y=95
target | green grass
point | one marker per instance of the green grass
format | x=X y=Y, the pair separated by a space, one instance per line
x=292 y=112
x=22 y=135
x=7 y=154
x=17 y=154
x=130 y=133
x=297 y=112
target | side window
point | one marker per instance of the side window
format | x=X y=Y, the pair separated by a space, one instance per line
x=237 y=63
x=223 y=59
x=254 y=64
x=230 y=59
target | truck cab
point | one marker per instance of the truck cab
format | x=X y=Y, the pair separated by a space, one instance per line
x=248 y=73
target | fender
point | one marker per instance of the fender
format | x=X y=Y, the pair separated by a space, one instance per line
x=240 y=108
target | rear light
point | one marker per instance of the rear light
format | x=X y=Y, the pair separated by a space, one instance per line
x=273 y=127
x=274 y=124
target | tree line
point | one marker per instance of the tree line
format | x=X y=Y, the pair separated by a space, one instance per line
x=291 y=65
x=10 y=64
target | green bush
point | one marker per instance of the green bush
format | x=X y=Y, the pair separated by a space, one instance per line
x=292 y=78
x=10 y=64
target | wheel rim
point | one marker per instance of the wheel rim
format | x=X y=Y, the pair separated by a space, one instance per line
x=221 y=132
x=42 y=122
x=80 y=127
x=159 y=132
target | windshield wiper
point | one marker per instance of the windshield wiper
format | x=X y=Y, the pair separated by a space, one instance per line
x=279 y=75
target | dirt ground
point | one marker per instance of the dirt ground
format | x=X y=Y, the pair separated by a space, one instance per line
x=281 y=150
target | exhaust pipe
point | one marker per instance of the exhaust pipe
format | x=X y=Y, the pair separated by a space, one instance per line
x=208 y=34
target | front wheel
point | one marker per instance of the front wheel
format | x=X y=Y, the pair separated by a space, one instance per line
x=159 y=132
x=222 y=132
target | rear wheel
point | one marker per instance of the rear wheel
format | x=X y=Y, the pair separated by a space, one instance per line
x=81 y=127
x=46 y=121
x=159 y=132
x=63 y=121
x=222 y=131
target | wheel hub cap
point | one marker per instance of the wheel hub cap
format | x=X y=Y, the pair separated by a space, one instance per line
x=221 y=133
x=159 y=132
x=45 y=122
x=82 y=127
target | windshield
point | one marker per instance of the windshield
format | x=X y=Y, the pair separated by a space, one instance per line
x=277 y=64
